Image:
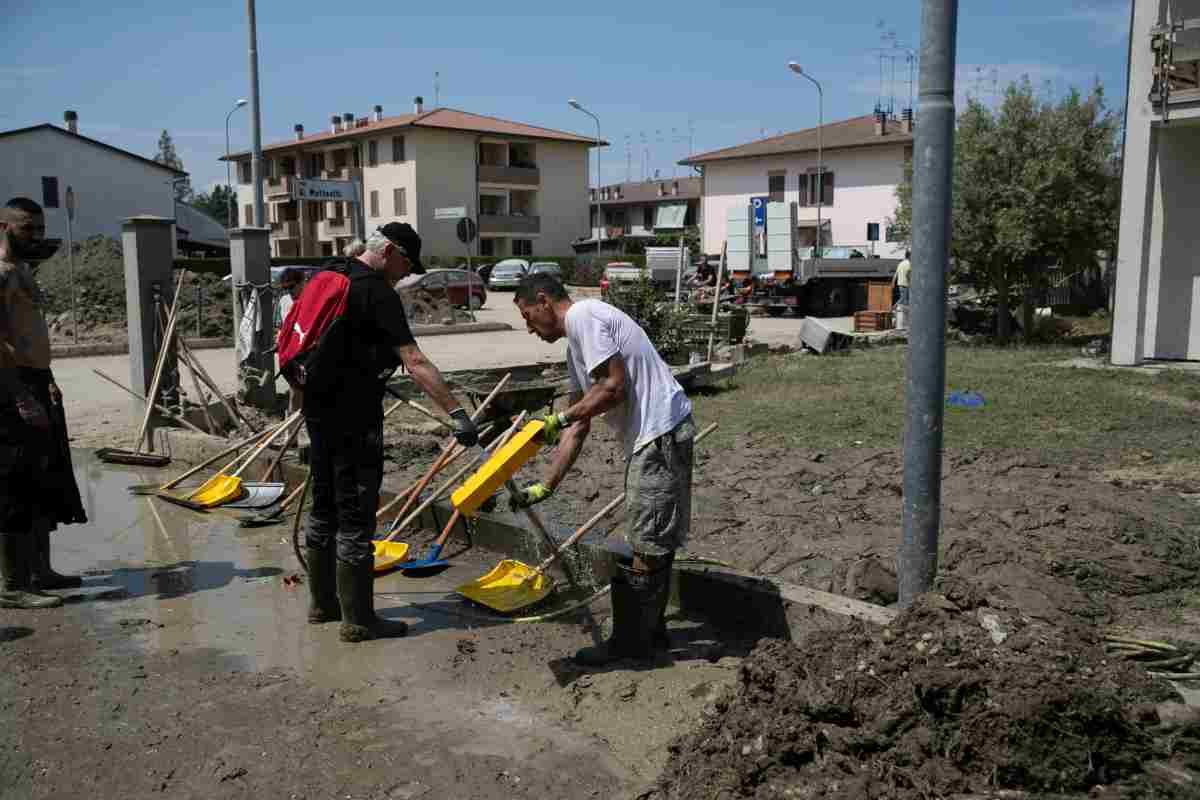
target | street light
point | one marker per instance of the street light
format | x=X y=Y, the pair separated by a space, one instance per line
x=819 y=250
x=228 y=182
x=573 y=103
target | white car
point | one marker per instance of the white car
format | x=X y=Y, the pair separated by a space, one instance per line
x=507 y=274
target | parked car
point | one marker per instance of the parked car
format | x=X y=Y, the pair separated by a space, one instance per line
x=545 y=268
x=618 y=272
x=507 y=274
x=458 y=286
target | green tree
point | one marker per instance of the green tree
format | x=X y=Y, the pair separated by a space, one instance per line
x=166 y=155
x=217 y=203
x=1035 y=187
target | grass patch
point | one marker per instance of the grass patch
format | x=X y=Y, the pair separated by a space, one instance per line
x=843 y=400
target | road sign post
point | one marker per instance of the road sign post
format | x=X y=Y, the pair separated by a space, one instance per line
x=71 y=264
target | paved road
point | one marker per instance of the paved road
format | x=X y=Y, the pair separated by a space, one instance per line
x=86 y=395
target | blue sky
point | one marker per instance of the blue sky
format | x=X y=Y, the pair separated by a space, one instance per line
x=646 y=69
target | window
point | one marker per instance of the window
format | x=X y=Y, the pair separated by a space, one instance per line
x=808 y=189
x=776 y=185
x=487 y=247
x=398 y=149
x=522 y=247
x=356 y=155
x=400 y=202
x=316 y=163
x=49 y=192
x=872 y=231
x=374 y=204
x=243 y=172
x=372 y=153
x=648 y=217
x=248 y=215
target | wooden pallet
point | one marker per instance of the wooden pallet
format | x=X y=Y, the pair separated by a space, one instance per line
x=866 y=321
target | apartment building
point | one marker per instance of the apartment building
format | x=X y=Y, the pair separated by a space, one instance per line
x=642 y=209
x=863 y=160
x=1156 y=299
x=525 y=186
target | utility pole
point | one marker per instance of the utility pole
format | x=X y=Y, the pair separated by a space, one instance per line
x=437 y=94
x=260 y=217
x=926 y=375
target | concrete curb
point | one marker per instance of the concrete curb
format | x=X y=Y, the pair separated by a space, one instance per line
x=109 y=349
x=467 y=327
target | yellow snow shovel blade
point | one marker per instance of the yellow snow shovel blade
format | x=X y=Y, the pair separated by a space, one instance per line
x=217 y=490
x=508 y=587
x=503 y=464
x=389 y=555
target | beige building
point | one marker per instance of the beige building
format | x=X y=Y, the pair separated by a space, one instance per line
x=527 y=187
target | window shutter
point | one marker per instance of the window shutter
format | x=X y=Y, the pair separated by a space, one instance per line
x=827 y=189
x=397 y=149
x=802 y=187
x=372 y=153
x=399 y=202
x=374 y=204
x=49 y=192
x=248 y=215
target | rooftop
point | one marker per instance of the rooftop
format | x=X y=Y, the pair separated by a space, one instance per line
x=855 y=132
x=647 y=191
x=96 y=142
x=444 y=118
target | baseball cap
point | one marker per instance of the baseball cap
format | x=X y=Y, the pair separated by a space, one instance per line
x=403 y=236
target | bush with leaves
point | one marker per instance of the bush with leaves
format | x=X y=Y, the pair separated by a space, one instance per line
x=664 y=324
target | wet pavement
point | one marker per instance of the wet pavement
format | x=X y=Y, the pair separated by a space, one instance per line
x=198 y=586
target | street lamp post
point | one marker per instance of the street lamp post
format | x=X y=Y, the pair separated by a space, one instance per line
x=228 y=181
x=573 y=103
x=819 y=250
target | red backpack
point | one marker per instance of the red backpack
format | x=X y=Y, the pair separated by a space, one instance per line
x=311 y=342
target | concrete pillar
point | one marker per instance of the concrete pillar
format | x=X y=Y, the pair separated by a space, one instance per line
x=250 y=262
x=147 y=243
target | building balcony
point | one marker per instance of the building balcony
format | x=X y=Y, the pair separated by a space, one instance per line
x=517 y=176
x=506 y=223
x=337 y=227
x=278 y=189
x=287 y=229
x=341 y=174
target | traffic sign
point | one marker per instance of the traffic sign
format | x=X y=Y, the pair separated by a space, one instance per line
x=309 y=189
x=466 y=230
x=457 y=212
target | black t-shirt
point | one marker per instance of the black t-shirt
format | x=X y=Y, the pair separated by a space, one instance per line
x=376 y=325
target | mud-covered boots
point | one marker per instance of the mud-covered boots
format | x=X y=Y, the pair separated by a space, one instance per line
x=322 y=586
x=356 y=594
x=44 y=576
x=639 y=602
x=16 y=554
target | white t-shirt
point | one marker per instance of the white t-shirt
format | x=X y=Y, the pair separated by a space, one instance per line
x=655 y=403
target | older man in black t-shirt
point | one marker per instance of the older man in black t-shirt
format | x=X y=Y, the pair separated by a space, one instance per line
x=345 y=427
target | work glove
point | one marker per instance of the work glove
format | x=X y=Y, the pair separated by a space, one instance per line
x=465 y=432
x=531 y=495
x=554 y=424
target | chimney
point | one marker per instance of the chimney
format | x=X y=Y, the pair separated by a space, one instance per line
x=379 y=113
x=418 y=105
x=906 y=121
x=335 y=123
x=347 y=121
x=880 y=123
x=71 y=120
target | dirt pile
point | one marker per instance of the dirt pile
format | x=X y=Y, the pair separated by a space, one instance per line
x=946 y=700
x=100 y=296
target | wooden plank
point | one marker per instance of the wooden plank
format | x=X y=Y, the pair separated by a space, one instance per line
x=802 y=595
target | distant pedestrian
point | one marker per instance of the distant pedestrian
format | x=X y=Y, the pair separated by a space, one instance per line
x=902 y=278
x=37 y=483
x=292 y=284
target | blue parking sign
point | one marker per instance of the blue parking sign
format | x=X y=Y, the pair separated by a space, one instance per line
x=760 y=210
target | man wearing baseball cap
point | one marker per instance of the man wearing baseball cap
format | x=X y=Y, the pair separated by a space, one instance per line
x=345 y=428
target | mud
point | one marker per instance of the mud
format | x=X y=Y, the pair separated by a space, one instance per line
x=1059 y=543
x=935 y=705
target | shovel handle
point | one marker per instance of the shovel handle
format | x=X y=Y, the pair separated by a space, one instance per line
x=283 y=451
x=266 y=443
x=595 y=520
x=249 y=440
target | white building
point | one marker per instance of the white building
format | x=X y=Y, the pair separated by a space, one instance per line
x=1156 y=304
x=526 y=186
x=863 y=162
x=110 y=184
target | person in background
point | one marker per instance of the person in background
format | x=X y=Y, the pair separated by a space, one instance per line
x=292 y=284
x=37 y=483
x=902 y=278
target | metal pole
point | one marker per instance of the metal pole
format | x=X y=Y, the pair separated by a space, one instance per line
x=71 y=264
x=934 y=161
x=820 y=251
x=228 y=175
x=255 y=122
x=573 y=103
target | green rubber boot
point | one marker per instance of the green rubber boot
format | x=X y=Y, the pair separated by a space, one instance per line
x=44 y=577
x=16 y=551
x=322 y=586
x=356 y=595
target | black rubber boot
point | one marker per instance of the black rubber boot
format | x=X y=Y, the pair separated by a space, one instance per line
x=626 y=614
x=16 y=552
x=44 y=577
x=662 y=639
x=356 y=595
x=322 y=586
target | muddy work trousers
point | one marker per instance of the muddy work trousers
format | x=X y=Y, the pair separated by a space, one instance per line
x=347 y=469
x=658 y=493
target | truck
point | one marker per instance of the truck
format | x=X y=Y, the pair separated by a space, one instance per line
x=663 y=266
x=787 y=277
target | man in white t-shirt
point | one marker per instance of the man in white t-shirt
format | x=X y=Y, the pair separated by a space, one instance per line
x=616 y=372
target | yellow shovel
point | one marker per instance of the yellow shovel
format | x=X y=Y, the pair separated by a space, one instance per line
x=222 y=488
x=512 y=585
